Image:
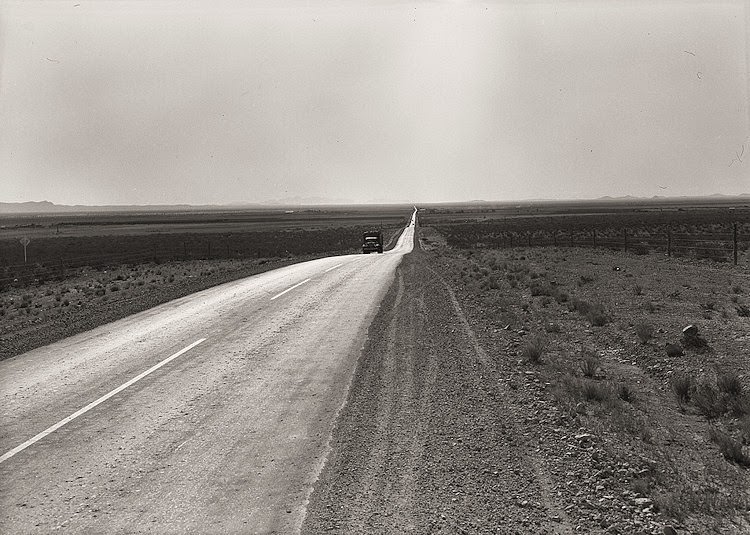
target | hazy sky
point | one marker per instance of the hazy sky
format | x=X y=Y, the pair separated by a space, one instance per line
x=219 y=102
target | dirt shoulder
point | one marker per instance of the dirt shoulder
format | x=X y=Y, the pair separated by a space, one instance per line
x=449 y=428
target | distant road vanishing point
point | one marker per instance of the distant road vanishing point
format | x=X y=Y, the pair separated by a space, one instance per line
x=210 y=413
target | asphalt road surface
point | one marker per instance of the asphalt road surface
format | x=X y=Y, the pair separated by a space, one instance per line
x=211 y=413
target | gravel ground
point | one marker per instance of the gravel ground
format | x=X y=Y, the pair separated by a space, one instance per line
x=431 y=439
x=447 y=429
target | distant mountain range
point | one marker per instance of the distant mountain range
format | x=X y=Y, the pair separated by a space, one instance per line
x=47 y=207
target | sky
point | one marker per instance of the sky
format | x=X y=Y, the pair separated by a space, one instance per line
x=218 y=102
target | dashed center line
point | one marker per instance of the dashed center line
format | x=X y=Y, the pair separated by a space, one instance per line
x=93 y=404
x=334 y=267
x=290 y=289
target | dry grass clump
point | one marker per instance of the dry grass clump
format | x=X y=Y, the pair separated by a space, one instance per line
x=533 y=350
x=594 y=390
x=713 y=400
x=682 y=385
x=729 y=383
x=708 y=401
x=730 y=448
x=594 y=312
x=644 y=332
x=625 y=393
x=541 y=288
x=589 y=364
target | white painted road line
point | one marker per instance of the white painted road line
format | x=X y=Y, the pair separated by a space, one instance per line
x=93 y=404
x=290 y=289
x=334 y=267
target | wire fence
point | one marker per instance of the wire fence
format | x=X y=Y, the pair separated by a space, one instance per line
x=60 y=258
x=727 y=246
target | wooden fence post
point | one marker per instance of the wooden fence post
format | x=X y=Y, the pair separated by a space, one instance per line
x=571 y=238
x=594 y=238
x=626 y=240
x=529 y=236
x=554 y=237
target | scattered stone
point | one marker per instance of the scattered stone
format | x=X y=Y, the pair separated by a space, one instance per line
x=674 y=350
x=690 y=330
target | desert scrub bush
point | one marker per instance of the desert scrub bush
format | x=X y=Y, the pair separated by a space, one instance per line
x=682 y=386
x=729 y=383
x=644 y=332
x=673 y=350
x=589 y=364
x=637 y=289
x=597 y=315
x=708 y=400
x=625 y=393
x=114 y=288
x=730 y=448
x=593 y=312
x=744 y=427
x=540 y=288
x=553 y=328
x=743 y=311
x=594 y=390
x=533 y=350
x=641 y=486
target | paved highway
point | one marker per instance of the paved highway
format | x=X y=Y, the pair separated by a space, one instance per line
x=211 y=413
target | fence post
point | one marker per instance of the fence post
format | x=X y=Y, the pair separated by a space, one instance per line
x=669 y=242
x=594 y=238
x=626 y=240
x=554 y=237
x=511 y=239
x=529 y=236
x=184 y=251
x=734 y=242
x=571 y=238
x=209 y=250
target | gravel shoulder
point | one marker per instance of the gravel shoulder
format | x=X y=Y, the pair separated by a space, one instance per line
x=450 y=428
x=429 y=441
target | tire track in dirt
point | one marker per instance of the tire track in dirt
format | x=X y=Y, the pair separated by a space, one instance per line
x=429 y=441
